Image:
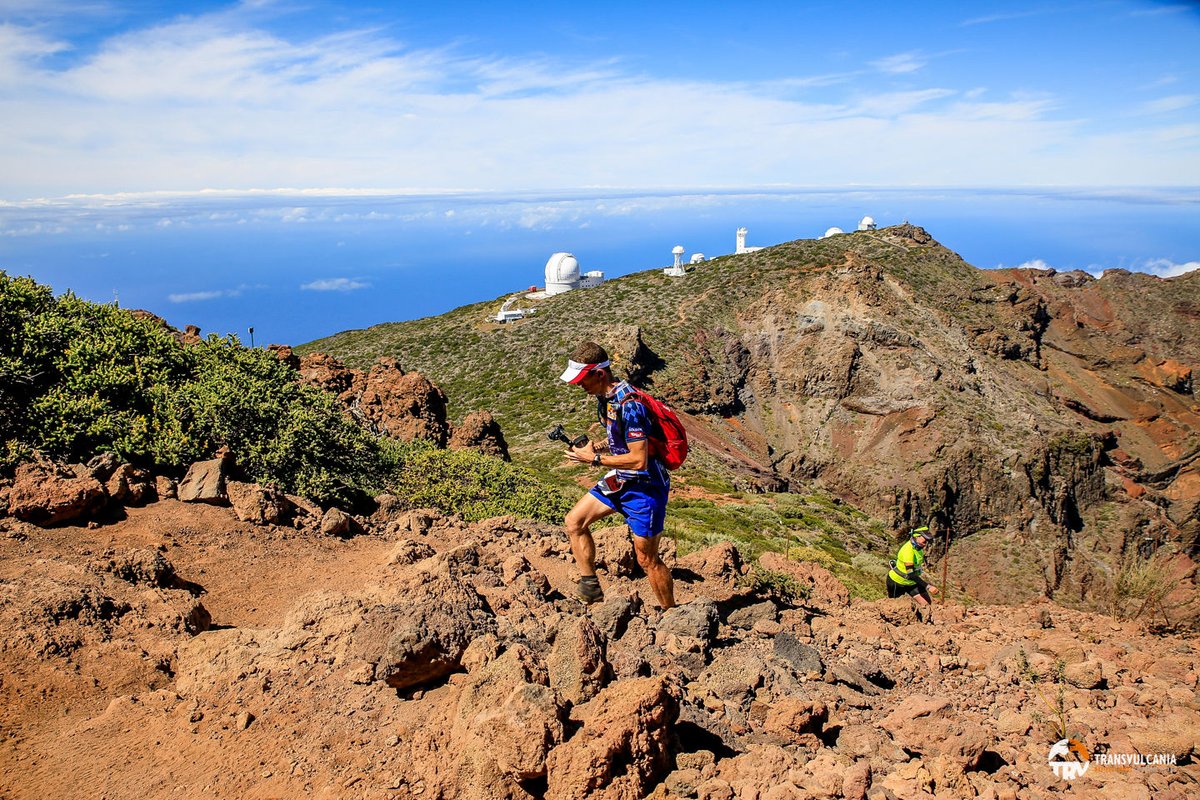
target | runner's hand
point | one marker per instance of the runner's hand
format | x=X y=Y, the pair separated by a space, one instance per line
x=581 y=455
x=933 y=589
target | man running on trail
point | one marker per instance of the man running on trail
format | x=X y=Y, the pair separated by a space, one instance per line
x=905 y=575
x=636 y=485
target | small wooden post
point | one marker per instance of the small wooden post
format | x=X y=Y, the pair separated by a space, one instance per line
x=946 y=566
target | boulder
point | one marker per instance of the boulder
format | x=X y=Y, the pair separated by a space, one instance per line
x=45 y=494
x=507 y=721
x=422 y=635
x=930 y=726
x=856 y=780
x=399 y=404
x=1085 y=674
x=521 y=732
x=336 y=522
x=387 y=400
x=258 y=505
x=614 y=614
x=721 y=563
x=624 y=746
x=578 y=669
x=803 y=658
x=129 y=485
x=479 y=431
x=796 y=721
x=750 y=615
x=697 y=620
x=205 y=483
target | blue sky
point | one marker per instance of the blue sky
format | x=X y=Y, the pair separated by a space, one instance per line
x=102 y=98
x=216 y=161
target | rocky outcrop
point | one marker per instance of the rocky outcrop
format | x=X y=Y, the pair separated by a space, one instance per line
x=386 y=400
x=624 y=747
x=424 y=635
x=480 y=431
x=822 y=587
x=47 y=494
x=403 y=405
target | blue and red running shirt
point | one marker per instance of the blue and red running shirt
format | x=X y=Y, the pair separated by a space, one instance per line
x=628 y=421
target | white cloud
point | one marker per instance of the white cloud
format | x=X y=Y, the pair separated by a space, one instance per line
x=248 y=108
x=1165 y=268
x=1036 y=263
x=336 y=285
x=213 y=294
x=900 y=63
x=192 y=297
x=1164 y=105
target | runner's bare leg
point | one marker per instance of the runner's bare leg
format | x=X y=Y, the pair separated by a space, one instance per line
x=646 y=548
x=579 y=528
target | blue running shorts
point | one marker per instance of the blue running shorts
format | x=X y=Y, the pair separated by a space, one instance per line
x=643 y=507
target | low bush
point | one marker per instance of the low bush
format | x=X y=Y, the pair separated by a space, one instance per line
x=80 y=378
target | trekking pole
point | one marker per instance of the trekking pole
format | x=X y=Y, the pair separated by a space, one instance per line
x=946 y=567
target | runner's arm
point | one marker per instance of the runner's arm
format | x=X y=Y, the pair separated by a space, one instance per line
x=636 y=459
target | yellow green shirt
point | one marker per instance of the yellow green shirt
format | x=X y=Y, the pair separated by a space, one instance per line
x=909 y=559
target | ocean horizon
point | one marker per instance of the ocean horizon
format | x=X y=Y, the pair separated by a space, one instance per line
x=300 y=265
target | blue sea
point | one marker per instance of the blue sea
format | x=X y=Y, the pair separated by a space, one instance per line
x=296 y=266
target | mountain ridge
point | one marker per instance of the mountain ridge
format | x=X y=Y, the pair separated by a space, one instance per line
x=1007 y=405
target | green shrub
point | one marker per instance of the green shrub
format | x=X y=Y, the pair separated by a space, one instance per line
x=474 y=486
x=78 y=378
x=783 y=588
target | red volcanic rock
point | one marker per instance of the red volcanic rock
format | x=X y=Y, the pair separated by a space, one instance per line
x=403 y=405
x=824 y=586
x=721 y=563
x=284 y=354
x=260 y=505
x=130 y=485
x=190 y=335
x=480 y=431
x=387 y=400
x=624 y=746
x=326 y=372
x=45 y=494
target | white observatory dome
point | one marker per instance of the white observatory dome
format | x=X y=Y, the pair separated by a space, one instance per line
x=562 y=273
x=832 y=232
x=677 y=250
x=867 y=224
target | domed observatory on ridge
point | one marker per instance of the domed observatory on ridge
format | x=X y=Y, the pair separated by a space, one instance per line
x=562 y=275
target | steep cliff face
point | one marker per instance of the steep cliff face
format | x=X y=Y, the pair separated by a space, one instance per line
x=1016 y=408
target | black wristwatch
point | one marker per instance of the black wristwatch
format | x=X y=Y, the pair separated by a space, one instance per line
x=596 y=460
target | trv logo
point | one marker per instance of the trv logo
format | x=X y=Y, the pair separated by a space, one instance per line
x=1069 y=770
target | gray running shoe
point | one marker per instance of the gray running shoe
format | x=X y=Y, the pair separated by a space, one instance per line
x=589 y=590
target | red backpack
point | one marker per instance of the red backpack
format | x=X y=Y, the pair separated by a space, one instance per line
x=672 y=448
